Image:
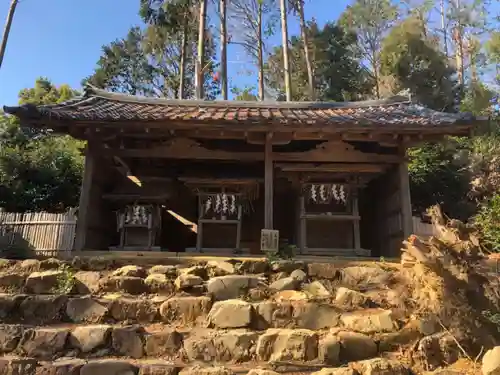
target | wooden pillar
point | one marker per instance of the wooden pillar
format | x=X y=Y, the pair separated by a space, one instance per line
x=355 y=212
x=404 y=190
x=268 y=182
x=83 y=207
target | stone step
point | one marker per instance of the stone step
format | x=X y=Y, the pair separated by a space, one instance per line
x=116 y=366
x=193 y=311
x=328 y=347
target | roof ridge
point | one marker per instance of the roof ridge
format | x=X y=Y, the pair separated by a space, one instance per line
x=92 y=91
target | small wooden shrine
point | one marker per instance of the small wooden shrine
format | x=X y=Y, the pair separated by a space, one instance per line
x=330 y=178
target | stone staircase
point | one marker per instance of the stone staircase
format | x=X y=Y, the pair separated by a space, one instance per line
x=96 y=316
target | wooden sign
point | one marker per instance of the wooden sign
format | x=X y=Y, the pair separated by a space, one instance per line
x=269 y=240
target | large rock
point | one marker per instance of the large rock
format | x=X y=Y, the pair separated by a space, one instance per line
x=42 y=309
x=11 y=282
x=231 y=286
x=89 y=338
x=315 y=316
x=299 y=275
x=270 y=314
x=329 y=350
x=287 y=266
x=317 y=289
x=166 y=343
x=205 y=371
x=326 y=271
x=355 y=346
x=133 y=310
x=236 y=346
x=51 y=264
x=43 y=343
x=159 y=283
x=185 y=310
x=8 y=304
x=350 y=298
x=290 y=295
x=277 y=345
x=365 y=277
x=336 y=371
x=287 y=283
x=127 y=341
x=170 y=271
x=220 y=268
x=61 y=367
x=85 y=310
x=260 y=371
x=380 y=366
x=253 y=266
x=200 y=347
x=437 y=350
x=157 y=367
x=199 y=271
x=186 y=281
x=44 y=282
x=12 y=365
x=369 y=321
x=231 y=314
x=134 y=271
x=87 y=282
x=10 y=335
x=126 y=284
x=108 y=367
x=491 y=362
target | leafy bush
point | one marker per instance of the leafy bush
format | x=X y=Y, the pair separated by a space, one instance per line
x=488 y=222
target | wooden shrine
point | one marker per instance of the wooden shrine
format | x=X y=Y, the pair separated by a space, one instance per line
x=331 y=178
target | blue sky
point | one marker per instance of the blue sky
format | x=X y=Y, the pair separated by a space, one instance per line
x=62 y=39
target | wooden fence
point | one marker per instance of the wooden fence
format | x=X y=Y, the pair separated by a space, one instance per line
x=423 y=229
x=48 y=234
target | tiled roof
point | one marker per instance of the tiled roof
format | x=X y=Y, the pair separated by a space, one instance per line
x=99 y=105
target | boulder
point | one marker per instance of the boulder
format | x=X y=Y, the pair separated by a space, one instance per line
x=231 y=314
x=51 y=264
x=316 y=289
x=287 y=283
x=133 y=271
x=329 y=350
x=311 y=315
x=200 y=347
x=159 y=283
x=365 y=277
x=290 y=295
x=8 y=304
x=85 y=310
x=258 y=294
x=170 y=271
x=10 y=335
x=11 y=282
x=270 y=314
x=299 y=275
x=235 y=346
x=108 y=367
x=133 y=310
x=61 y=367
x=253 y=266
x=127 y=341
x=185 y=310
x=231 y=286
x=220 y=268
x=166 y=343
x=350 y=298
x=380 y=366
x=287 y=266
x=199 y=271
x=407 y=336
x=356 y=346
x=42 y=309
x=157 y=367
x=100 y=263
x=44 y=282
x=88 y=338
x=43 y=343
x=277 y=345
x=186 y=281
x=12 y=365
x=259 y=371
x=491 y=362
x=87 y=282
x=369 y=321
x=125 y=284
x=437 y=350
x=197 y=370
x=336 y=371
x=327 y=271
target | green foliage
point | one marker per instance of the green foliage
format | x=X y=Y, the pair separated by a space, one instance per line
x=65 y=282
x=417 y=65
x=337 y=71
x=488 y=222
x=38 y=170
x=477 y=99
x=245 y=94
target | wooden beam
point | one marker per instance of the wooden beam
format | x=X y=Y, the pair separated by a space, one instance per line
x=82 y=222
x=404 y=190
x=268 y=182
x=332 y=167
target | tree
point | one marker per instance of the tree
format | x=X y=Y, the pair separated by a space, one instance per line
x=284 y=46
x=6 y=32
x=370 y=20
x=39 y=170
x=417 y=65
x=338 y=73
x=200 y=61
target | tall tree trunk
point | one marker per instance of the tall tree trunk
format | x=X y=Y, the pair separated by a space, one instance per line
x=6 y=32
x=200 y=59
x=260 y=48
x=303 y=32
x=443 y=27
x=182 y=72
x=376 y=74
x=223 y=47
x=286 y=61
